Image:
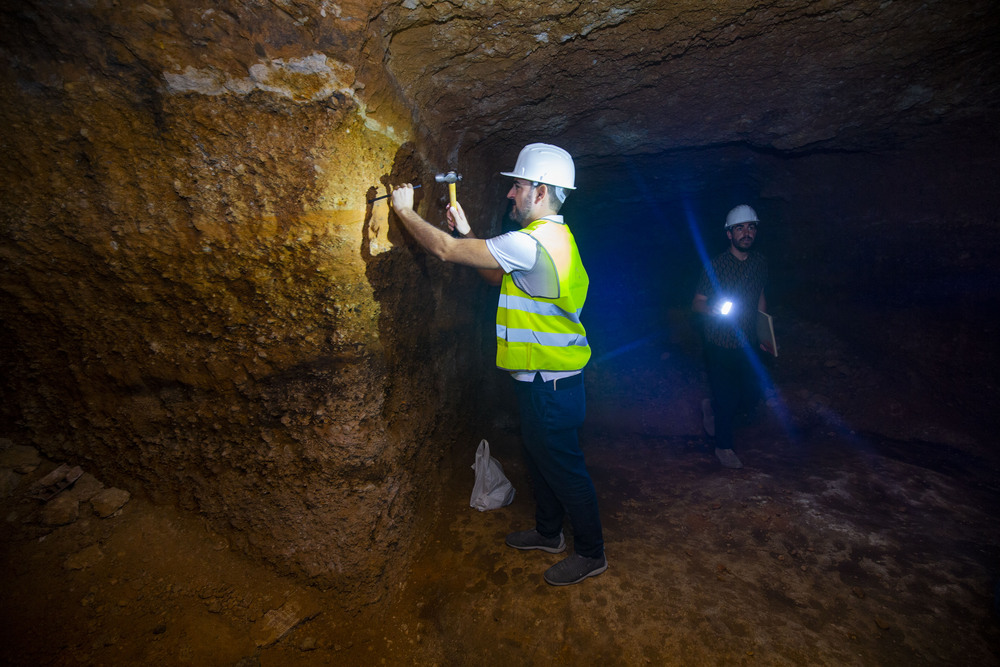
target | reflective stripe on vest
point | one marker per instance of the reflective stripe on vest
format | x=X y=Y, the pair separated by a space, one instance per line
x=538 y=332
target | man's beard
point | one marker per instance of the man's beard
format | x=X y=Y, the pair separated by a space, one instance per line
x=515 y=216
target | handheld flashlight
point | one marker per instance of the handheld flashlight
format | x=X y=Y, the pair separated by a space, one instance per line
x=726 y=307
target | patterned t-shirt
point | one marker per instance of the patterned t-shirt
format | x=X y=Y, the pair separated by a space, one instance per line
x=739 y=281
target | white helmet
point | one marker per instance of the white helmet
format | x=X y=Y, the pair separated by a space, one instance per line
x=545 y=163
x=739 y=215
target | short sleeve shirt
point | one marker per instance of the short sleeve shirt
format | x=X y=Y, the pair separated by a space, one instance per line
x=514 y=251
x=739 y=281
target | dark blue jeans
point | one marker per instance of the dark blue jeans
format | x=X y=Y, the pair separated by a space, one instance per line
x=549 y=422
x=734 y=387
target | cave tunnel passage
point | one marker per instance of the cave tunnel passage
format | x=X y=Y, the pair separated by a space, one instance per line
x=200 y=313
x=869 y=246
x=869 y=490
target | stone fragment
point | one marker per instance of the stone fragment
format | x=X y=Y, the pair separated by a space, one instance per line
x=56 y=481
x=9 y=481
x=85 y=558
x=85 y=488
x=60 y=511
x=278 y=622
x=20 y=458
x=109 y=501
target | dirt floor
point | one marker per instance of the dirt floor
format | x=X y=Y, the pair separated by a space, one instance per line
x=863 y=531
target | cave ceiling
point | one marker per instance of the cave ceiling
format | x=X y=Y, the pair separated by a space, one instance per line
x=635 y=78
x=646 y=77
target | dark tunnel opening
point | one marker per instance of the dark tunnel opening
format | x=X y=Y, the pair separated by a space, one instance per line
x=881 y=248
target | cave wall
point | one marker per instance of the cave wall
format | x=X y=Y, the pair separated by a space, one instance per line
x=198 y=299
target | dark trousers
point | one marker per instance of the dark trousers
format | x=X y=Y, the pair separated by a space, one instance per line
x=734 y=386
x=550 y=418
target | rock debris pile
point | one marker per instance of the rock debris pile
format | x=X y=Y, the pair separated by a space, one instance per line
x=49 y=495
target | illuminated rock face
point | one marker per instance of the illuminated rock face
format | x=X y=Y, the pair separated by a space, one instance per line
x=198 y=298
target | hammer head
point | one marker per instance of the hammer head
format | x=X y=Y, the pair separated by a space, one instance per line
x=450 y=177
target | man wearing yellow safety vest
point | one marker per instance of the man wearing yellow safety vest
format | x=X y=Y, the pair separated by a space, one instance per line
x=541 y=342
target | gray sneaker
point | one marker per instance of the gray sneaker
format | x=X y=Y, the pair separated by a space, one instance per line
x=728 y=458
x=532 y=539
x=574 y=569
x=707 y=416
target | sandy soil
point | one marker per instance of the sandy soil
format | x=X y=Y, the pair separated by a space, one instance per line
x=862 y=531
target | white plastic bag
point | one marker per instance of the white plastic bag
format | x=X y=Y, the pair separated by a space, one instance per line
x=492 y=489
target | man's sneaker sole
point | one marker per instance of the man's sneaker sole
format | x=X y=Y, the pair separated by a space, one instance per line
x=527 y=540
x=573 y=569
x=728 y=458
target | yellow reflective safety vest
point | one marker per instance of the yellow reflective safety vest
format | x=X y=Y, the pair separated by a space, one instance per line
x=543 y=332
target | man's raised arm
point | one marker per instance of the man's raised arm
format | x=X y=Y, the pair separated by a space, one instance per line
x=468 y=252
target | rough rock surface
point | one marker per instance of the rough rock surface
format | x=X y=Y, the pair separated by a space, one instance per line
x=20 y=458
x=60 y=511
x=188 y=284
x=109 y=501
x=834 y=545
x=645 y=77
x=198 y=297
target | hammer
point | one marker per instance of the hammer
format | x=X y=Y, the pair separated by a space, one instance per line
x=451 y=178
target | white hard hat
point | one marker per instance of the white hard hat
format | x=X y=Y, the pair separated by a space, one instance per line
x=739 y=215
x=545 y=163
